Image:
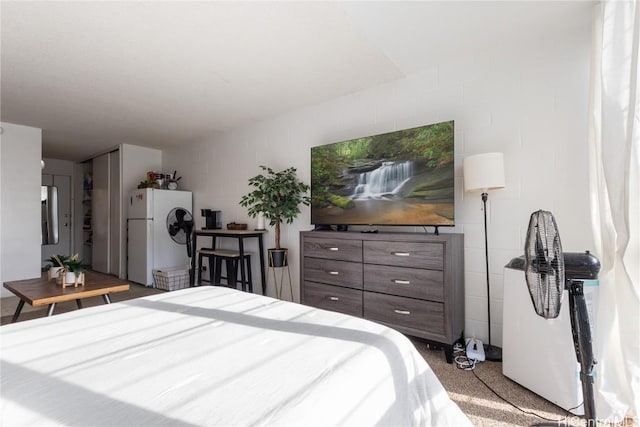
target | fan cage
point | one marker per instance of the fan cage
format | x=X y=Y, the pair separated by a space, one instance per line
x=180 y=236
x=544 y=263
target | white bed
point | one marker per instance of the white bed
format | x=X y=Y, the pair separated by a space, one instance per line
x=214 y=356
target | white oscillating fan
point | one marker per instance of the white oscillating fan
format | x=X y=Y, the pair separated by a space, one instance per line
x=549 y=272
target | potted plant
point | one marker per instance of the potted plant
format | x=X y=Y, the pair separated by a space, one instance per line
x=74 y=268
x=277 y=197
x=67 y=269
x=57 y=266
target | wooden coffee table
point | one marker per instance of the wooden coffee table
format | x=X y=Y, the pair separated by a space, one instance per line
x=41 y=291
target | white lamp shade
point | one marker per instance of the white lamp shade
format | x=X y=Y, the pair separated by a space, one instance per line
x=483 y=172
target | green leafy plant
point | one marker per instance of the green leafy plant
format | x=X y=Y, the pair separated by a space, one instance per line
x=58 y=260
x=74 y=264
x=277 y=196
x=68 y=263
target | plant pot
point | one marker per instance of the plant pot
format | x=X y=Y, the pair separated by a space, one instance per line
x=70 y=277
x=54 y=272
x=278 y=257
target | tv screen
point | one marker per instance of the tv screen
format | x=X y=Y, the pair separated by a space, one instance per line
x=397 y=178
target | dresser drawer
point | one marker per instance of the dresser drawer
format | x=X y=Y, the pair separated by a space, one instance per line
x=341 y=273
x=405 y=254
x=334 y=298
x=408 y=313
x=405 y=281
x=338 y=249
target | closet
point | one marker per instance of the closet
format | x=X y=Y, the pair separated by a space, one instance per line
x=105 y=213
x=114 y=175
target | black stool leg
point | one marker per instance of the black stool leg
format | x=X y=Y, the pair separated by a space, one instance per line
x=199 y=279
x=218 y=274
x=211 y=269
x=239 y=276
x=249 y=279
x=231 y=272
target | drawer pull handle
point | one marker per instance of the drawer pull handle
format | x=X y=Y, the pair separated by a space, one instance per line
x=334 y=298
x=334 y=249
x=333 y=273
x=405 y=312
x=401 y=282
x=401 y=253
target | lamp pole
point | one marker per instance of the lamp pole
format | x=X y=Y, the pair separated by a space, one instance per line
x=490 y=352
x=484 y=172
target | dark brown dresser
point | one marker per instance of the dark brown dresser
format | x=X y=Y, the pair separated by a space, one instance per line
x=413 y=282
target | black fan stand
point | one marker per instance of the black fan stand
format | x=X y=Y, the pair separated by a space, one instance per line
x=584 y=350
x=188 y=229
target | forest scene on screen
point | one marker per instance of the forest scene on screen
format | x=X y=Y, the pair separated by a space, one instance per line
x=398 y=178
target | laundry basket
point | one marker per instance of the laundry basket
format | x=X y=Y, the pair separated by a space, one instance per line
x=171 y=279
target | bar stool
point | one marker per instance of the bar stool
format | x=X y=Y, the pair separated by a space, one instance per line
x=232 y=263
x=209 y=254
x=233 y=266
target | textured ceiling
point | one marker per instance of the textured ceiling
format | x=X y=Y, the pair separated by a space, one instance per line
x=96 y=74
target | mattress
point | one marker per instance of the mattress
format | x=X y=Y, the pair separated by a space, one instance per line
x=211 y=356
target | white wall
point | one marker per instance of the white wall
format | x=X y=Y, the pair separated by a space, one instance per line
x=532 y=107
x=21 y=151
x=57 y=167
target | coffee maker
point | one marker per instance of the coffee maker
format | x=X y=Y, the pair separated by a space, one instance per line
x=211 y=218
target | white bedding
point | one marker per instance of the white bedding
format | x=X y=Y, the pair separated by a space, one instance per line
x=214 y=356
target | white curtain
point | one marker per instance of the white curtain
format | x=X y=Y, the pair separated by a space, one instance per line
x=614 y=164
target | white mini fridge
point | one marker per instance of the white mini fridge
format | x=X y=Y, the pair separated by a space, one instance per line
x=149 y=243
x=538 y=353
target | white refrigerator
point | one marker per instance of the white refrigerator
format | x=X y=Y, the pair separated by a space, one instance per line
x=149 y=244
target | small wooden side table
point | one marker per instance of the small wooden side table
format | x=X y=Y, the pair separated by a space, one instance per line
x=42 y=291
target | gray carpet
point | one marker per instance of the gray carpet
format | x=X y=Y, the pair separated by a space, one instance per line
x=481 y=405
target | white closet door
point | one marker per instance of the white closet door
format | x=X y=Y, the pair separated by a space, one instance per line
x=100 y=214
x=115 y=229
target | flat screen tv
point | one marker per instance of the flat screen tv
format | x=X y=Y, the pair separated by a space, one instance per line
x=397 y=178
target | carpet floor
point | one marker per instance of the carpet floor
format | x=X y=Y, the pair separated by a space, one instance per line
x=465 y=388
x=482 y=406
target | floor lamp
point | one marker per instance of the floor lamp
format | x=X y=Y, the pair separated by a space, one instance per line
x=484 y=172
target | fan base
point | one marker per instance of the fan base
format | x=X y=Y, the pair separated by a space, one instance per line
x=492 y=353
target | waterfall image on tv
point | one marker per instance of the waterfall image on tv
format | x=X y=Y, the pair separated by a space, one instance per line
x=398 y=178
